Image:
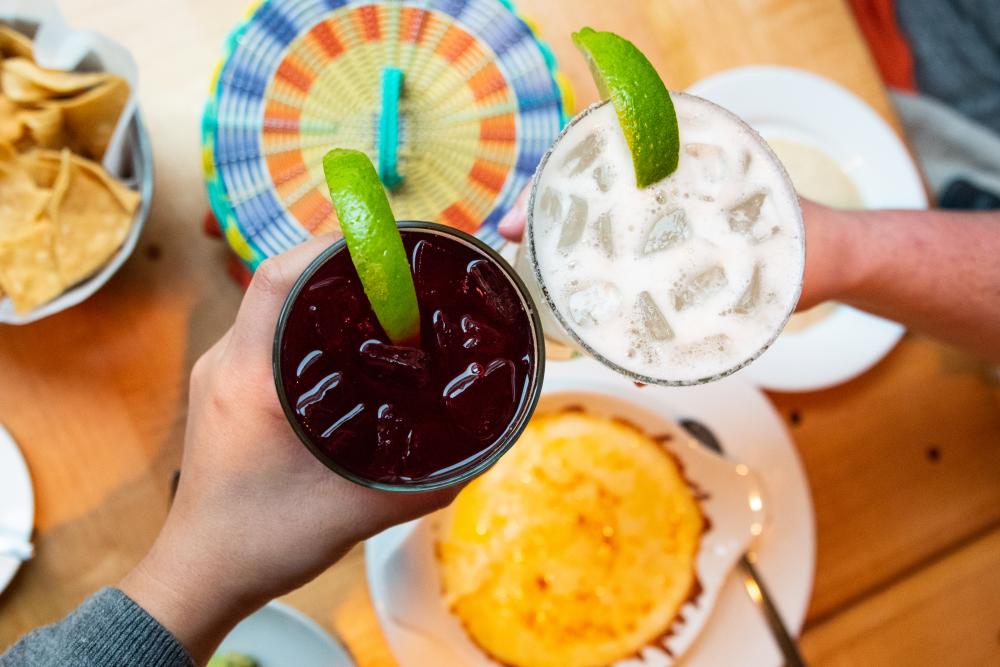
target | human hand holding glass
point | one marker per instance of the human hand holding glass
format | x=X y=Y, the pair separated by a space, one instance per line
x=256 y=514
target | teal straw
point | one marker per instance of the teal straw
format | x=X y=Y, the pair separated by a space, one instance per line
x=388 y=128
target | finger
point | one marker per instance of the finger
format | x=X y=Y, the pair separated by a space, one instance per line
x=382 y=509
x=429 y=501
x=511 y=226
x=272 y=281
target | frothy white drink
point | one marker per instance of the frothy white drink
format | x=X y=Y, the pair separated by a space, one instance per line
x=683 y=281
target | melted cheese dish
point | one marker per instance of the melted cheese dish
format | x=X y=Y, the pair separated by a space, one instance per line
x=577 y=548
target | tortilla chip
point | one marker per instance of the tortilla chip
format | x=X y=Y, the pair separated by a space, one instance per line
x=52 y=108
x=28 y=267
x=59 y=185
x=41 y=165
x=24 y=81
x=127 y=198
x=44 y=125
x=19 y=89
x=11 y=127
x=92 y=216
x=15 y=45
x=90 y=119
x=7 y=152
x=21 y=200
x=28 y=126
x=57 y=81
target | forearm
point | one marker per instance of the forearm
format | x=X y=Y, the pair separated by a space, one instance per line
x=937 y=272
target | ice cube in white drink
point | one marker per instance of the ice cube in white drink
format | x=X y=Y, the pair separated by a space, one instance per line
x=681 y=282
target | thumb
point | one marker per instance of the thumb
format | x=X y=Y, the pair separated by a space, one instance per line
x=511 y=226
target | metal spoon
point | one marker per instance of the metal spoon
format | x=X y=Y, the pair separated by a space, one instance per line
x=752 y=582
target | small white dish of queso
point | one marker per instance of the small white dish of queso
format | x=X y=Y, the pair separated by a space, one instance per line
x=75 y=166
x=603 y=537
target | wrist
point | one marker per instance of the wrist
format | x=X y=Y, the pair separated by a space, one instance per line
x=834 y=254
x=180 y=588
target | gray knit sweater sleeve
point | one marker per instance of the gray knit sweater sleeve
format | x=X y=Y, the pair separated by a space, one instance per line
x=107 y=630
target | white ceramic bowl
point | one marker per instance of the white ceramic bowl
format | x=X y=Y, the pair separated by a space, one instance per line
x=130 y=154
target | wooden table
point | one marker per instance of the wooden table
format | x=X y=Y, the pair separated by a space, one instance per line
x=904 y=462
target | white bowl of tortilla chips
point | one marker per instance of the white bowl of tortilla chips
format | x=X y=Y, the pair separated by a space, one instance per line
x=75 y=163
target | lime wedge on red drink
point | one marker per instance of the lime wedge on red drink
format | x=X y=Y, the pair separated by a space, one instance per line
x=640 y=98
x=374 y=242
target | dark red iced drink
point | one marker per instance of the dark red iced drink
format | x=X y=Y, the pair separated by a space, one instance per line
x=420 y=416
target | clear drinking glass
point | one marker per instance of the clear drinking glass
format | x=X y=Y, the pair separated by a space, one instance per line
x=294 y=333
x=726 y=224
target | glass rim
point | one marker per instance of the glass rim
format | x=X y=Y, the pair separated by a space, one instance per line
x=571 y=332
x=517 y=423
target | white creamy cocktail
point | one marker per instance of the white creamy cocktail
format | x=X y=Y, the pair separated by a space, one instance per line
x=681 y=282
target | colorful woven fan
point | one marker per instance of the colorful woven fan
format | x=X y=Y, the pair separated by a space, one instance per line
x=455 y=101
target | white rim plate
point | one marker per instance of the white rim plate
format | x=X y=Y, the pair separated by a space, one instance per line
x=17 y=501
x=735 y=633
x=787 y=103
x=278 y=635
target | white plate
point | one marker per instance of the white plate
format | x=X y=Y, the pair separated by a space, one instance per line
x=781 y=102
x=280 y=636
x=404 y=587
x=17 y=501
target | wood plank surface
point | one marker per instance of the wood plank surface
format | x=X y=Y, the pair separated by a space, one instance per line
x=898 y=469
x=689 y=39
x=903 y=462
x=944 y=614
